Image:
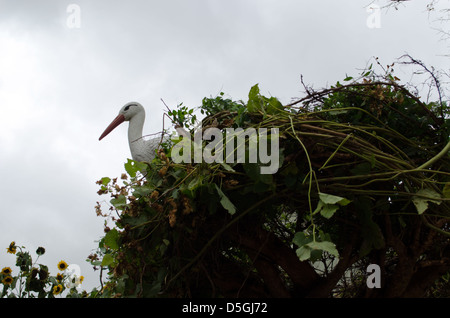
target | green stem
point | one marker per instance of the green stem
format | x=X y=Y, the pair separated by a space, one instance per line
x=442 y=153
x=337 y=149
x=311 y=174
x=309 y=163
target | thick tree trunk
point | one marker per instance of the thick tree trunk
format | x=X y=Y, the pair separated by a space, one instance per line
x=268 y=253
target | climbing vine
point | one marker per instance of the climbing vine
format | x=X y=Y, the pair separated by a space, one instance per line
x=363 y=177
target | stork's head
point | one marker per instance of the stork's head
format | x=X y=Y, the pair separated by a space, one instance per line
x=126 y=113
x=130 y=110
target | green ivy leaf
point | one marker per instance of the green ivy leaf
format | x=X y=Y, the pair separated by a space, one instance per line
x=274 y=106
x=303 y=253
x=112 y=239
x=333 y=199
x=120 y=202
x=254 y=99
x=300 y=239
x=142 y=191
x=226 y=203
x=108 y=259
x=329 y=204
x=326 y=246
x=132 y=167
x=105 y=180
x=421 y=203
x=312 y=250
x=328 y=210
x=254 y=92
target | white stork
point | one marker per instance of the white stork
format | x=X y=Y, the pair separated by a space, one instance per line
x=141 y=149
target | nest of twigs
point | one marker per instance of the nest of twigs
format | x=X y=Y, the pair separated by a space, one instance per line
x=373 y=144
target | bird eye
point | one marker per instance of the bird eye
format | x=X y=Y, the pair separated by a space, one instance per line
x=128 y=106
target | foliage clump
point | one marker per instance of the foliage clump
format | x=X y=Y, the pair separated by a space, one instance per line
x=364 y=178
x=33 y=280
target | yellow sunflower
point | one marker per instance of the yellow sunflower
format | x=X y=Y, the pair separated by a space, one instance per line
x=62 y=266
x=6 y=271
x=7 y=280
x=59 y=277
x=57 y=289
x=12 y=248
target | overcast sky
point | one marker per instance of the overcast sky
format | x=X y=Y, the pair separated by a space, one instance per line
x=63 y=79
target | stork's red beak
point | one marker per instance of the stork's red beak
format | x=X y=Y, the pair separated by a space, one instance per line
x=116 y=122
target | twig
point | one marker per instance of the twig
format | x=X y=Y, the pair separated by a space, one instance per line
x=166 y=105
x=436 y=83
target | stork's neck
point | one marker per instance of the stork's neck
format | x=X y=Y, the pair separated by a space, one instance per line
x=135 y=130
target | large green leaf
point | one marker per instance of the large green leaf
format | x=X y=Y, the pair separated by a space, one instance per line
x=120 y=202
x=300 y=239
x=105 y=180
x=425 y=196
x=257 y=102
x=312 y=250
x=328 y=210
x=324 y=246
x=303 y=253
x=333 y=199
x=132 y=167
x=226 y=203
x=108 y=259
x=274 y=105
x=329 y=204
x=142 y=191
x=254 y=92
x=112 y=239
x=254 y=100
